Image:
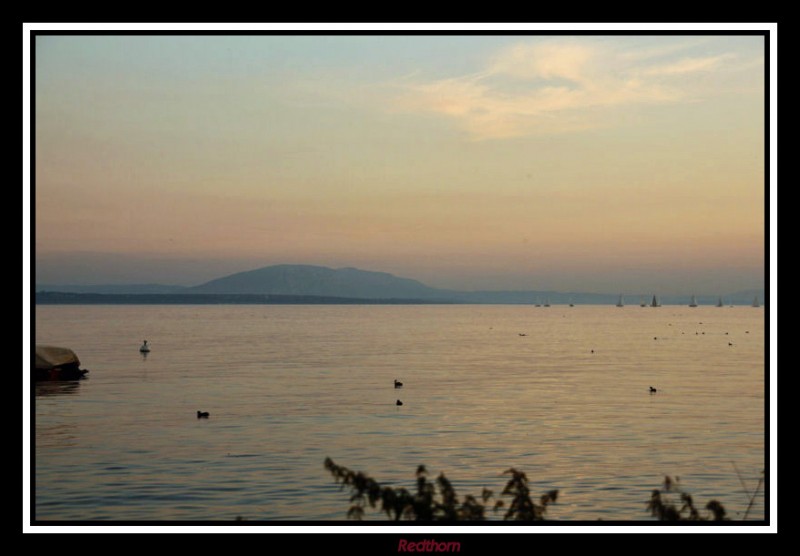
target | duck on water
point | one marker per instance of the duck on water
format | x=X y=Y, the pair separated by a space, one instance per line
x=145 y=348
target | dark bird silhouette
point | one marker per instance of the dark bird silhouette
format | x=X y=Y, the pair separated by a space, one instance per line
x=730 y=344
x=653 y=390
x=202 y=414
x=523 y=334
x=399 y=403
x=398 y=384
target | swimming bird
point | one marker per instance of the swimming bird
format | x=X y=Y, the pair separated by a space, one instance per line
x=398 y=403
x=523 y=334
x=145 y=348
x=653 y=390
x=202 y=414
x=730 y=344
x=398 y=384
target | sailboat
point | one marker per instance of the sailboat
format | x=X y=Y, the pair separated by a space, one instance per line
x=755 y=302
x=571 y=304
x=546 y=302
x=693 y=302
x=620 y=302
x=719 y=302
x=642 y=302
x=655 y=302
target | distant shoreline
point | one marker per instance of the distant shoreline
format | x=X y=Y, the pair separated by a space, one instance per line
x=66 y=298
x=69 y=298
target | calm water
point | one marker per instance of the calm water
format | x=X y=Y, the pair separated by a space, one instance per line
x=287 y=386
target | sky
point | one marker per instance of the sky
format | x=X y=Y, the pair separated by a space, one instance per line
x=595 y=163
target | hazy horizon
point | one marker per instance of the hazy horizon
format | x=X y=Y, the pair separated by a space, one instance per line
x=122 y=274
x=483 y=162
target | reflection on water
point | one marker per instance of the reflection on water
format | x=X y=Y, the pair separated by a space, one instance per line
x=56 y=387
x=568 y=403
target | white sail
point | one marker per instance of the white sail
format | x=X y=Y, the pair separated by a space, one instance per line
x=719 y=302
x=620 y=303
x=693 y=303
x=755 y=302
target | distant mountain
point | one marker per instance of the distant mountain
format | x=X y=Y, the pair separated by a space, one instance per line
x=322 y=281
x=306 y=281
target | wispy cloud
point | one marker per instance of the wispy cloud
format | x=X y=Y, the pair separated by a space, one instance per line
x=689 y=65
x=553 y=86
x=547 y=61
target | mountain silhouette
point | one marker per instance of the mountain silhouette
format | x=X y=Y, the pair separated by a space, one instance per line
x=307 y=281
x=323 y=281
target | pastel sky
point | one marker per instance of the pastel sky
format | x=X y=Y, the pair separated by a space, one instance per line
x=584 y=163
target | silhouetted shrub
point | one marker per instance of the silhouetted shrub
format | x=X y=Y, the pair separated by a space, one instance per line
x=438 y=501
x=662 y=507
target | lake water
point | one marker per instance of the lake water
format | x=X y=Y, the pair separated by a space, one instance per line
x=288 y=386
